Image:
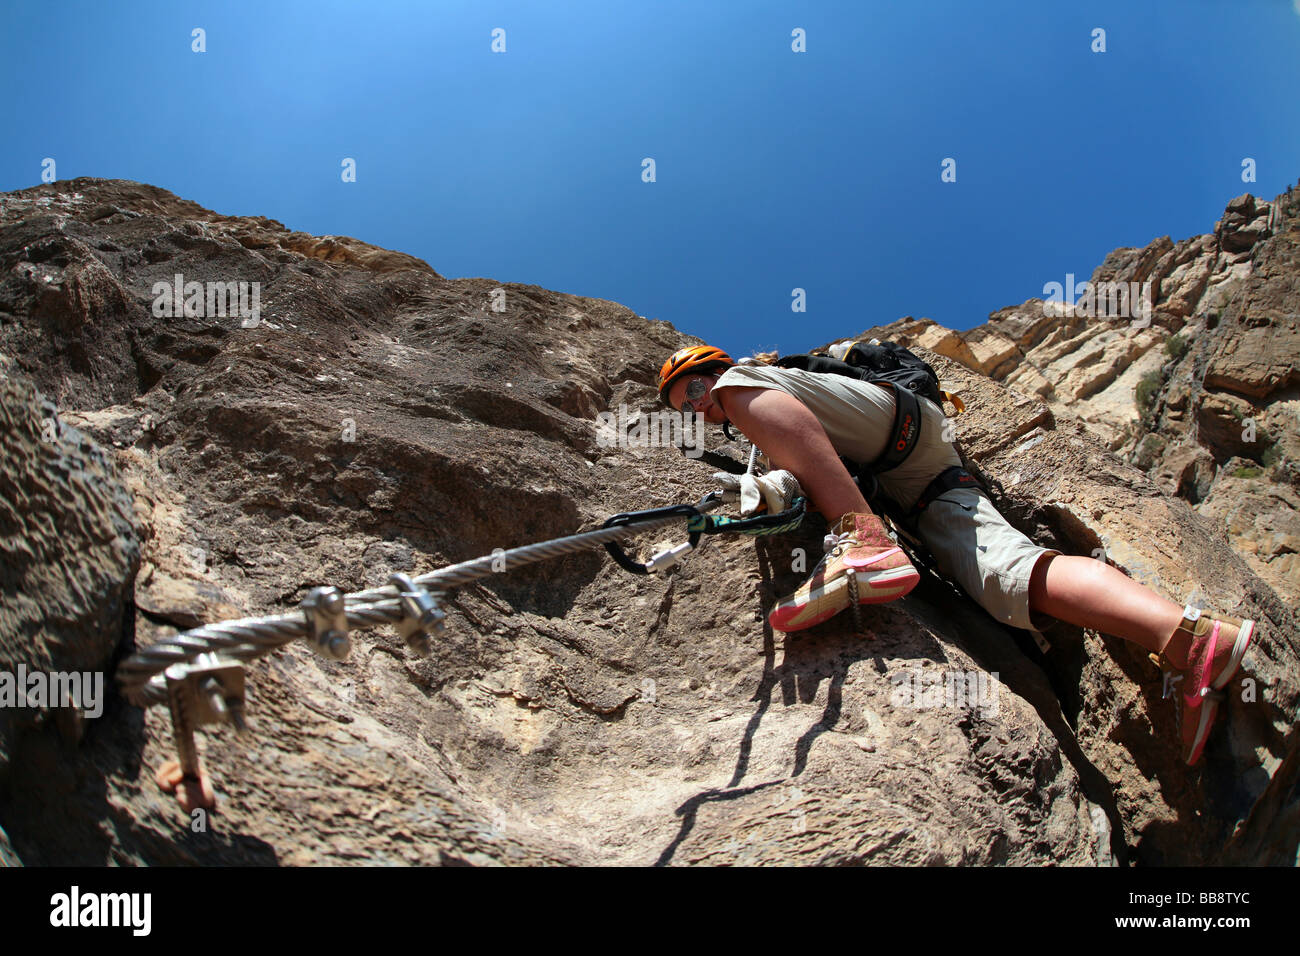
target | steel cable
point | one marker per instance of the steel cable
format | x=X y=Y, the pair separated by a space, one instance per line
x=141 y=675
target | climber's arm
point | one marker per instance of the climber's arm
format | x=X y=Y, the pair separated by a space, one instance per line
x=793 y=439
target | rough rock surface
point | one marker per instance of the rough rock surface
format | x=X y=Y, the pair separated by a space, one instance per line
x=70 y=550
x=1220 y=356
x=380 y=417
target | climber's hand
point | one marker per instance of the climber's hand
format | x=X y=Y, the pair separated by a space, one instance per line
x=775 y=490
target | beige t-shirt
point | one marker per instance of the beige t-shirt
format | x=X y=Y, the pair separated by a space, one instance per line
x=858 y=417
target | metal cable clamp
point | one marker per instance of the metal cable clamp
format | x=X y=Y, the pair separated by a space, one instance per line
x=421 y=615
x=327 y=623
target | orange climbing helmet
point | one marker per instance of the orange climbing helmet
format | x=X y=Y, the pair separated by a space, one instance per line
x=696 y=359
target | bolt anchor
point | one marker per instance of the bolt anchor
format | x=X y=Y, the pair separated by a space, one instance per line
x=207 y=691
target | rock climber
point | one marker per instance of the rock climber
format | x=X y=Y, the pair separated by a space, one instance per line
x=804 y=421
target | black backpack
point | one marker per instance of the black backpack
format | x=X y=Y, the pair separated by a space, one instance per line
x=877 y=362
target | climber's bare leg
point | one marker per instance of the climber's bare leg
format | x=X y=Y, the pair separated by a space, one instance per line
x=792 y=438
x=1090 y=593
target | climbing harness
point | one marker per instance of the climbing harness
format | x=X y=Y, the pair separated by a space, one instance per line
x=948 y=479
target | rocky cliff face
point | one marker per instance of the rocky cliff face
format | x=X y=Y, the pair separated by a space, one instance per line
x=1202 y=392
x=373 y=416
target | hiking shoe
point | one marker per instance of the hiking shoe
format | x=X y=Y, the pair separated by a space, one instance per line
x=881 y=571
x=1214 y=656
x=1218 y=645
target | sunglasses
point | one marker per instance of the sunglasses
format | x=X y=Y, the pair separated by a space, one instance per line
x=695 y=390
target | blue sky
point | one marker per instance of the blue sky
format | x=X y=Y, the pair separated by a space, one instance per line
x=775 y=170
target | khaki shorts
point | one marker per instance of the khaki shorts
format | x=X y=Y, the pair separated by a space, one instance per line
x=975 y=546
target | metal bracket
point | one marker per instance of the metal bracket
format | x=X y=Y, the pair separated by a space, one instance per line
x=208 y=690
x=327 y=623
x=421 y=615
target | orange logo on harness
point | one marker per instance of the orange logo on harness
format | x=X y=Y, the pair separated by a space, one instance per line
x=907 y=432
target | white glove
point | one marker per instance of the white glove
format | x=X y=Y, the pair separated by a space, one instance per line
x=777 y=490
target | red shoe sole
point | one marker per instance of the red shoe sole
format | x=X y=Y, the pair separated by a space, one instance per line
x=1204 y=715
x=879 y=588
